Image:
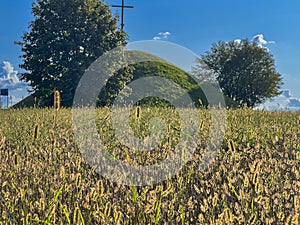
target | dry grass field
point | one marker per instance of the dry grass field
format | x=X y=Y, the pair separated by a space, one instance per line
x=255 y=178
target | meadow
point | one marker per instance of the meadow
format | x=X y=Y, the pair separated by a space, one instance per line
x=254 y=179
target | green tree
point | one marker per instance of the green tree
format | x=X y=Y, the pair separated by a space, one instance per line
x=245 y=71
x=64 y=38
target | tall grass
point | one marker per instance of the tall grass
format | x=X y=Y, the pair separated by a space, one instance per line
x=255 y=178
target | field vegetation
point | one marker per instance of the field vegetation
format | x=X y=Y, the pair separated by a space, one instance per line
x=254 y=179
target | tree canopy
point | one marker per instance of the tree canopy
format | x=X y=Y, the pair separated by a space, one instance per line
x=245 y=71
x=64 y=38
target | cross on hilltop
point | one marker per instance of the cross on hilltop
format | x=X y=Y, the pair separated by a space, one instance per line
x=123 y=6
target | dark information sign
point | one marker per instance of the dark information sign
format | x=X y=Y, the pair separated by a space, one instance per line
x=4 y=92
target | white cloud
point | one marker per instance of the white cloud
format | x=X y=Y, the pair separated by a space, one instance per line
x=11 y=73
x=237 y=41
x=259 y=39
x=162 y=35
x=9 y=77
x=285 y=101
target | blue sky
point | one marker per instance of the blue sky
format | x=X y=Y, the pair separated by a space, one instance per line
x=194 y=24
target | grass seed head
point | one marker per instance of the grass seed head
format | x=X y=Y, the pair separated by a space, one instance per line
x=57 y=100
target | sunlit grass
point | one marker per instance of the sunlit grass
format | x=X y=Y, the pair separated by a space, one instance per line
x=255 y=178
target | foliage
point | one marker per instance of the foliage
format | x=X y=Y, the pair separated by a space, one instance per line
x=148 y=66
x=65 y=37
x=245 y=71
x=253 y=180
x=153 y=66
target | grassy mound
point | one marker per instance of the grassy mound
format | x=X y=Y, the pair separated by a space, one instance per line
x=153 y=66
x=25 y=103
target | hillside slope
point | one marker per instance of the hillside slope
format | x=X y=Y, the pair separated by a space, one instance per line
x=152 y=66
